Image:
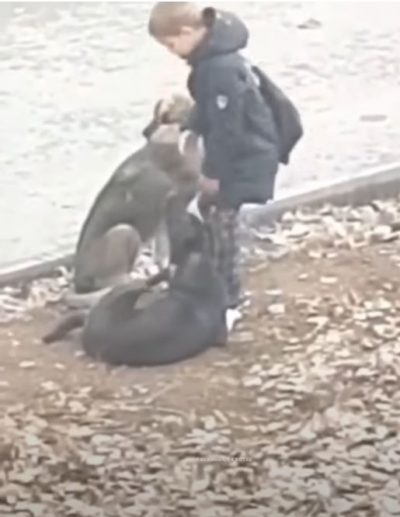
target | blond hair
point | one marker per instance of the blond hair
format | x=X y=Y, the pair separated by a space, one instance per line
x=168 y=18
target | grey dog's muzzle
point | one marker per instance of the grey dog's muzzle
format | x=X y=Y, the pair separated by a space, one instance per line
x=150 y=129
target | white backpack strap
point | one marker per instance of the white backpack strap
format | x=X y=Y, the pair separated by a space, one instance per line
x=253 y=75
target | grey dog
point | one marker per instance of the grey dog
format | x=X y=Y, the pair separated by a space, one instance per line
x=131 y=208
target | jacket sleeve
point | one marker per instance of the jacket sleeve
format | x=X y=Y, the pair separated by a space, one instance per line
x=220 y=99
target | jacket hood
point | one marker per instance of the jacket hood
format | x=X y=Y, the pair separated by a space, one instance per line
x=226 y=34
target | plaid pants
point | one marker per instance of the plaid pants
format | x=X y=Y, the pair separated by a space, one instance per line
x=223 y=230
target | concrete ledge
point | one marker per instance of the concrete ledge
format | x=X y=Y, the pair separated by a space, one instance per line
x=377 y=183
x=29 y=270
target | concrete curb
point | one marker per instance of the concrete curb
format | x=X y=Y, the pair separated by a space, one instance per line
x=377 y=183
x=37 y=267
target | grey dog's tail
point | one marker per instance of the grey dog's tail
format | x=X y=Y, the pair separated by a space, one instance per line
x=71 y=321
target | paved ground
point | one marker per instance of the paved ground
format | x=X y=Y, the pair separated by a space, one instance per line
x=79 y=81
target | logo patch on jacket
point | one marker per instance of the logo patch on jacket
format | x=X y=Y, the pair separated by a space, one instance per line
x=222 y=101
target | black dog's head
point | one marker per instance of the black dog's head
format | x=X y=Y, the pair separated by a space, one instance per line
x=192 y=251
x=189 y=238
x=195 y=271
x=174 y=110
x=186 y=233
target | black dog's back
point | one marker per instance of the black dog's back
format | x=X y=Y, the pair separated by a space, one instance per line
x=172 y=329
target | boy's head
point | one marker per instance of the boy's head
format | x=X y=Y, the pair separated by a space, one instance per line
x=179 y=26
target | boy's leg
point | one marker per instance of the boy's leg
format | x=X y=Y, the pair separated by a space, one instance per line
x=224 y=222
x=223 y=242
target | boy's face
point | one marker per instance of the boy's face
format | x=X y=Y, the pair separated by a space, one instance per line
x=183 y=43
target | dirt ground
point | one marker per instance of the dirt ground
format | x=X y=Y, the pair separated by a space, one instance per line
x=298 y=415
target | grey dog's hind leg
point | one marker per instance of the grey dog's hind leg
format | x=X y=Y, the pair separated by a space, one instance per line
x=116 y=252
x=107 y=262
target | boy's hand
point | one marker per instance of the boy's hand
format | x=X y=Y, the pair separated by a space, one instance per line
x=209 y=187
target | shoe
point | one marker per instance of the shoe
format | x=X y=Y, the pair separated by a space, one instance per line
x=232 y=317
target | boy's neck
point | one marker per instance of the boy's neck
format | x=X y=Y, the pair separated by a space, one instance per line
x=201 y=36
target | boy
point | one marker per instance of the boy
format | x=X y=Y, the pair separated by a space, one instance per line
x=247 y=124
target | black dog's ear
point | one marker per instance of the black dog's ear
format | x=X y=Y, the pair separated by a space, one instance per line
x=198 y=226
x=197 y=238
x=204 y=238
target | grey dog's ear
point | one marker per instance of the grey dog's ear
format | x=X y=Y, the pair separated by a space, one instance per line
x=157 y=110
x=155 y=123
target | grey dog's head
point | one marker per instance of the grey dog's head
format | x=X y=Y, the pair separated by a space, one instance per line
x=179 y=153
x=169 y=111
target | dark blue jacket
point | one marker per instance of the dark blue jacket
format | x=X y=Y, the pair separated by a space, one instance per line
x=243 y=140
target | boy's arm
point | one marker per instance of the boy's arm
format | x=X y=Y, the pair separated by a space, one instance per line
x=193 y=123
x=221 y=101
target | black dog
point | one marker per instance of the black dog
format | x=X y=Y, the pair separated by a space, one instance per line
x=183 y=321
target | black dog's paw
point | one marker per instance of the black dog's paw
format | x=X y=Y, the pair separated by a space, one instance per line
x=64 y=326
x=51 y=337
